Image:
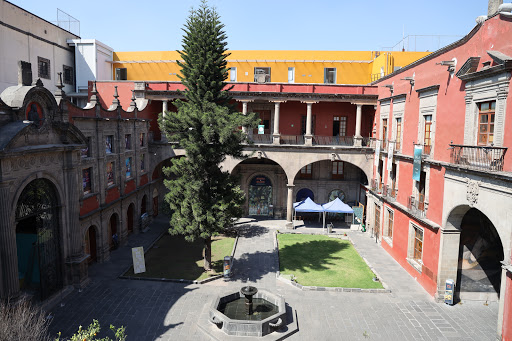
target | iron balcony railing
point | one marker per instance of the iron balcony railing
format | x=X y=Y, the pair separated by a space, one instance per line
x=389 y=192
x=374 y=184
x=292 y=139
x=416 y=206
x=261 y=138
x=488 y=158
x=333 y=140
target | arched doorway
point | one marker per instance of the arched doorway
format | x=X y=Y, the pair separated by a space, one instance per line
x=38 y=239
x=155 y=202
x=480 y=256
x=90 y=244
x=143 y=205
x=260 y=196
x=303 y=194
x=129 y=217
x=113 y=237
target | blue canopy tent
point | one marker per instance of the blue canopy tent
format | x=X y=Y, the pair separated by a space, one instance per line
x=308 y=205
x=337 y=206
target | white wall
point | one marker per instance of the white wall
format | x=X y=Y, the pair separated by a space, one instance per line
x=38 y=38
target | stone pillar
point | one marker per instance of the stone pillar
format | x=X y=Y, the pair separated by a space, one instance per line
x=308 y=138
x=76 y=260
x=448 y=259
x=164 y=108
x=276 y=136
x=9 y=285
x=289 y=207
x=357 y=137
x=244 y=112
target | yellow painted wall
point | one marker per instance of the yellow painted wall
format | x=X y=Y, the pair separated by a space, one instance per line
x=387 y=61
x=309 y=65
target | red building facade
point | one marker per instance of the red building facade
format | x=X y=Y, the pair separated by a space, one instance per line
x=442 y=213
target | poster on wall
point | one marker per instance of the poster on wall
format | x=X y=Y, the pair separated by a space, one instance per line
x=377 y=152
x=260 y=196
x=390 y=155
x=416 y=168
x=261 y=129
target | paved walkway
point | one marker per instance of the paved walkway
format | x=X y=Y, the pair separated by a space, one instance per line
x=168 y=311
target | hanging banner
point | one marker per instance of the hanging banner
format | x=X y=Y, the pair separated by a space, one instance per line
x=390 y=155
x=261 y=129
x=416 y=168
x=377 y=152
x=139 y=265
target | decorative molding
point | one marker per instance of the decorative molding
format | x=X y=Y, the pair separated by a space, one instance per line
x=472 y=190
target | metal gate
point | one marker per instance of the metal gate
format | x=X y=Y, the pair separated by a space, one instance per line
x=38 y=205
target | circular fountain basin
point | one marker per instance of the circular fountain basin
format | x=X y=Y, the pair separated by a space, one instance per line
x=228 y=313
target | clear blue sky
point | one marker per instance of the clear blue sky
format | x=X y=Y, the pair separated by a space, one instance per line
x=130 y=25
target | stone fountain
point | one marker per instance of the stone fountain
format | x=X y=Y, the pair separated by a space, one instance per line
x=250 y=312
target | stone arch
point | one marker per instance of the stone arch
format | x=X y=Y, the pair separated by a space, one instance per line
x=303 y=193
x=130 y=218
x=155 y=202
x=144 y=204
x=230 y=163
x=113 y=230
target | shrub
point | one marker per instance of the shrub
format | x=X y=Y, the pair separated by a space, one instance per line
x=22 y=321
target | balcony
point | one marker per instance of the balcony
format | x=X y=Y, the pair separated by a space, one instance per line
x=389 y=192
x=377 y=186
x=333 y=140
x=488 y=158
x=292 y=139
x=417 y=205
x=261 y=138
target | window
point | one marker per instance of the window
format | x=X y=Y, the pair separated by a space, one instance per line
x=128 y=141
x=142 y=165
x=86 y=152
x=291 y=75
x=128 y=163
x=398 y=138
x=427 y=140
x=67 y=74
x=380 y=170
x=389 y=229
x=232 y=74
x=486 y=112
x=393 y=180
x=330 y=75
x=421 y=190
x=121 y=74
x=86 y=180
x=141 y=139
x=303 y=124
x=416 y=243
x=43 y=68
x=306 y=172
x=384 y=133
x=110 y=173
x=108 y=144
x=339 y=126
x=337 y=169
x=262 y=74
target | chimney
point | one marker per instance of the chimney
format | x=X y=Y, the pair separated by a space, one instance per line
x=24 y=73
x=493 y=7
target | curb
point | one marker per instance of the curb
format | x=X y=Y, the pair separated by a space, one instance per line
x=386 y=289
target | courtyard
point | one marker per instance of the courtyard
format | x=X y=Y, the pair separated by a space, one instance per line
x=153 y=310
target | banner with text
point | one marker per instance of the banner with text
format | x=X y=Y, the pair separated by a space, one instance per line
x=390 y=155
x=416 y=167
x=377 y=152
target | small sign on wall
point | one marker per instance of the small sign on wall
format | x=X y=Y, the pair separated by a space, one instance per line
x=139 y=265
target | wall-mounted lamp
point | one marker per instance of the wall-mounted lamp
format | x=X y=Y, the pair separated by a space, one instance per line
x=390 y=87
x=260 y=154
x=449 y=63
x=410 y=79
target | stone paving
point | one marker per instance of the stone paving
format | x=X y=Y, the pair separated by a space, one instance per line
x=153 y=310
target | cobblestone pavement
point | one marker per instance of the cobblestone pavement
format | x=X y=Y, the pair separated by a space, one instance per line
x=153 y=310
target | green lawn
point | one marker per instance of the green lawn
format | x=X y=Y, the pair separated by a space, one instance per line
x=174 y=258
x=323 y=261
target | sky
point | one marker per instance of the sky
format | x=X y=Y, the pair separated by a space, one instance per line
x=149 y=25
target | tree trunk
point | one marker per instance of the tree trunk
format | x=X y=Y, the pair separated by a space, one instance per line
x=208 y=254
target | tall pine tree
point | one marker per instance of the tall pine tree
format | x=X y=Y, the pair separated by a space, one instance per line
x=203 y=198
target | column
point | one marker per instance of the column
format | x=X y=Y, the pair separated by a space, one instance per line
x=308 y=138
x=358 y=138
x=276 y=136
x=289 y=207
x=164 y=108
x=244 y=112
x=9 y=285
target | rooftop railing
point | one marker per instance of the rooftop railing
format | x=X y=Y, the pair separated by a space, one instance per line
x=488 y=158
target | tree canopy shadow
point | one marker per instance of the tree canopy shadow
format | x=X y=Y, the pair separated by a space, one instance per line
x=251 y=230
x=304 y=256
x=254 y=266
